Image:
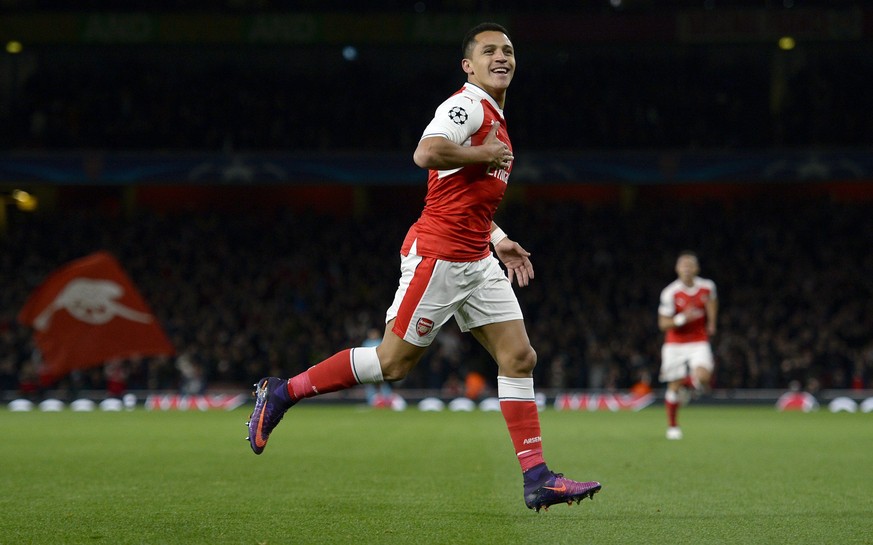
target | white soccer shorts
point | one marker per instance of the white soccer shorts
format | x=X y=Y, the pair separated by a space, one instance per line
x=431 y=291
x=677 y=359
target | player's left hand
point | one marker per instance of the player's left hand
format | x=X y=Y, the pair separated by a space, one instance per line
x=517 y=261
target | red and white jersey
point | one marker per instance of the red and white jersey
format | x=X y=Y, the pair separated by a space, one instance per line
x=676 y=298
x=455 y=224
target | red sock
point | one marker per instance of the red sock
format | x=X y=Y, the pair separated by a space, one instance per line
x=672 y=409
x=333 y=374
x=523 y=422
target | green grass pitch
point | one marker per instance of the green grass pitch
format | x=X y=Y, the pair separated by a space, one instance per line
x=342 y=474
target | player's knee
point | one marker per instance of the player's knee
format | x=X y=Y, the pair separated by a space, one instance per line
x=523 y=361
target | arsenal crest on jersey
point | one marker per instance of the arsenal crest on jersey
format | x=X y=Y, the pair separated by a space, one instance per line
x=423 y=326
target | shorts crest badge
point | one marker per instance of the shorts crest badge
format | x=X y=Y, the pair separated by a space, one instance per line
x=423 y=326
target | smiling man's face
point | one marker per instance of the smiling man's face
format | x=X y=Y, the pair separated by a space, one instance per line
x=491 y=63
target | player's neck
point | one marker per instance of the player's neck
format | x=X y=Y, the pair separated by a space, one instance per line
x=499 y=95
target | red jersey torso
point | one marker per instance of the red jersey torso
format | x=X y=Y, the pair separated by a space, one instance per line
x=676 y=298
x=455 y=224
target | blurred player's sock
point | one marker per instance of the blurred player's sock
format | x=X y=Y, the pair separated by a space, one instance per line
x=671 y=402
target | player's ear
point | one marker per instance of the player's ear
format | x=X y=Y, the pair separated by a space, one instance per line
x=467 y=66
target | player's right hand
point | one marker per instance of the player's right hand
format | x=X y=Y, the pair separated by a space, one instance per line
x=500 y=155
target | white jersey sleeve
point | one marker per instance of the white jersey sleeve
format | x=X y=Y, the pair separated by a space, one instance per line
x=667 y=305
x=456 y=119
x=707 y=283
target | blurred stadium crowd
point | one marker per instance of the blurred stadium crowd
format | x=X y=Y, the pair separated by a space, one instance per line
x=248 y=295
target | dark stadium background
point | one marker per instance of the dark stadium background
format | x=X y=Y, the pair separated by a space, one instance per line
x=249 y=163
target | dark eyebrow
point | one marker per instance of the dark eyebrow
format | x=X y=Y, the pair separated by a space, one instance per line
x=504 y=47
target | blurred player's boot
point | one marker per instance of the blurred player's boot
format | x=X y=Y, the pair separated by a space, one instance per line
x=558 y=489
x=270 y=407
x=674 y=433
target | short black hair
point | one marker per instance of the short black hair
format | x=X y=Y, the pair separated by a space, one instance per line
x=688 y=253
x=470 y=37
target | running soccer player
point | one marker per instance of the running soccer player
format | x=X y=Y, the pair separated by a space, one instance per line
x=448 y=271
x=688 y=313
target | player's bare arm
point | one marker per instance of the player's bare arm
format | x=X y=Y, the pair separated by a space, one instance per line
x=439 y=153
x=711 y=316
x=665 y=322
x=679 y=319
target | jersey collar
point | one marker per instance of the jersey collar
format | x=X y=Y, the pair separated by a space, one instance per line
x=480 y=92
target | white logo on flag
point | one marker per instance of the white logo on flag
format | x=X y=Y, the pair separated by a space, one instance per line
x=90 y=301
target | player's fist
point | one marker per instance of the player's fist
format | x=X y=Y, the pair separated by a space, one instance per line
x=500 y=156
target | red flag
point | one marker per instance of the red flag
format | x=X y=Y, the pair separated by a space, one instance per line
x=88 y=312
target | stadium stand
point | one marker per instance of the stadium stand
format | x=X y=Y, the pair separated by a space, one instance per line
x=243 y=296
